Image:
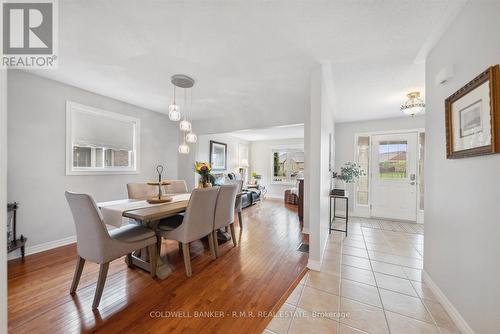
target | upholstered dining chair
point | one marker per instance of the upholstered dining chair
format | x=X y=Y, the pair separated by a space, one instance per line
x=238 y=205
x=141 y=191
x=94 y=242
x=196 y=223
x=176 y=187
x=224 y=212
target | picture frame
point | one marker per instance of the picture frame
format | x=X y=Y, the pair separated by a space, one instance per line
x=218 y=156
x=473 y=117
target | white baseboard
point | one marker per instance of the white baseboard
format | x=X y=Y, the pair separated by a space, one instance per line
x=462 y=325
x=43 y=247
x=314 y=265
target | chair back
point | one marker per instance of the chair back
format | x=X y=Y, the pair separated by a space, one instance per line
x=199 y=217
x=142 y=191
x=91 y=233
x=224 y=209
x=176 y=187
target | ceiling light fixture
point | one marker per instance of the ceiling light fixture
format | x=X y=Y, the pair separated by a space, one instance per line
x=414 y=105
x=183 y=81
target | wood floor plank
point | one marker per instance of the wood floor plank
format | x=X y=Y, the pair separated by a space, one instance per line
x=226 y=295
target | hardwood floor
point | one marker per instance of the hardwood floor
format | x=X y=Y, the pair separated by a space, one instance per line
x=251 y=278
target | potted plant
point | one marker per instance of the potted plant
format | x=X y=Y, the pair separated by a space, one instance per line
x=204 y=169
x=256 y=177
x=349 y=173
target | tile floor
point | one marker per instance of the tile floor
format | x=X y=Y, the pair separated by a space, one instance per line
x=370 y=282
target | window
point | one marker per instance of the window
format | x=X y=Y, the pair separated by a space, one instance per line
x=287 y=164
x=392 y=159
x=100 y=142
x=362 y=189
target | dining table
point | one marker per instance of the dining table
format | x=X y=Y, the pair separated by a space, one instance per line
x=148 y=215
x=115 y=213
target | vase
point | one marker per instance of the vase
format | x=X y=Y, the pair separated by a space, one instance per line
x=204 y=185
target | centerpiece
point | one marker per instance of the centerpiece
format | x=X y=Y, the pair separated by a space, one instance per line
x=204 y=169
x=349 y=173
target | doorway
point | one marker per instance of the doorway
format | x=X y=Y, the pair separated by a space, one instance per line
x=394 y=176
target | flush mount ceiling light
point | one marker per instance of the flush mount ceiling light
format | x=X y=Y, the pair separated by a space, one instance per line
x=414 y=105
x=185 y=82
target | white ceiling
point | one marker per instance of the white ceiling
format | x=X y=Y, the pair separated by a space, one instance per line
x=249 y=58
x=272 y=133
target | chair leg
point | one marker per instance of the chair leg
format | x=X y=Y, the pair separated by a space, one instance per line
x=216 y=243
x=211 y=244
x=187 y=258
x=152 y=258
x=78 y=273
x=233 y=235
x=129 y=261
x=103 y=272
x=240 y=220
x=180 y=246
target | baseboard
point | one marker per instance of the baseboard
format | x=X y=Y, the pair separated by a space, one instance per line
x=462 y=325
x=43 y=247
x=305 y=230
x=314 y=265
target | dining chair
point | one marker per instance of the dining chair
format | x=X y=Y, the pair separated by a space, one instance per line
x=141 y=191
x=224 y=212
x=196 y=223
x=176 y=187
x=238 y=205
x=95 y=243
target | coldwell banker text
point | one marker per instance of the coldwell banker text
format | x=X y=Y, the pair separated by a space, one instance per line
x=29 y=34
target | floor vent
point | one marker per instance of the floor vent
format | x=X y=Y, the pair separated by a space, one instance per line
x=303 y=248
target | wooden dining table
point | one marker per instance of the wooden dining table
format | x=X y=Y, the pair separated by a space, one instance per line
x=149 y=216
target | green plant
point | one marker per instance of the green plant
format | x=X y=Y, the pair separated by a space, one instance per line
x=256 y=176
x=349 y=173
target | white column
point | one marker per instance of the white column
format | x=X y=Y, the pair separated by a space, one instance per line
x=3 y=201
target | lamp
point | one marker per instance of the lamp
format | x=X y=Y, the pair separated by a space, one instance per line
x=244 y=162
x=414 y=105
x=173 y=111
x=191 y=138
x=185 y=125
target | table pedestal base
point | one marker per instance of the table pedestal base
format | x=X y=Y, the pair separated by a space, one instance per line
x=140 y=259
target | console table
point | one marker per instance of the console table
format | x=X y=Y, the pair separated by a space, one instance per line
x=346 y=217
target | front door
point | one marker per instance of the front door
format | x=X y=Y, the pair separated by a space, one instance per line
x=394 y=173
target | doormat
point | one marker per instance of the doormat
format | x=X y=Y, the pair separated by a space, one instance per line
x=303 y=248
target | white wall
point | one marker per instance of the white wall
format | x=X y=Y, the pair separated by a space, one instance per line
x=345 y=132
x=261 y=162
x=462 y=214
x=201 y=152
x=36 y=157
x=3 y=201
x=319 y=124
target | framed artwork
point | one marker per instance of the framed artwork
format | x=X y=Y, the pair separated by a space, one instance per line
x=473 y=117
x=218 y=156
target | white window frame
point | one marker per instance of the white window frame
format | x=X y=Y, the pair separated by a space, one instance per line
x=72 y=107
x=281 y=147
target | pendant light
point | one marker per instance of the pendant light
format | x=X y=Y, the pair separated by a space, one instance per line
x=174 y=113
x=185 y=125
x=191 y=137
x=414 y=105
x=183 y=81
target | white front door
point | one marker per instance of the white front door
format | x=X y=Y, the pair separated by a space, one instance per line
x=394 y=176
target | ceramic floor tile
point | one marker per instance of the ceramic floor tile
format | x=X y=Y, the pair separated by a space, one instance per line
x=361 y=292
x=423 y=290
x=395 y=284
x=358 y=275
x=355 y=243
x=281 y=321
x=358 y=262
x=304 y=322
x=319 y=301
x=331 y=266
x=304 y=279
x=293 y=299
x=363 y=317
x=354 y=251
x=344 y=329
x=440 y=315
x=413 y=274
x=324 y=281
x=400 y=324
x=405 y=305
x=388 y=269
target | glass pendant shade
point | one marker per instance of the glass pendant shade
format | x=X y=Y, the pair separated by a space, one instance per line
x=173 y=112
x=183 y=149
x=191 y=138
x=414 y=105
x=185 y=126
